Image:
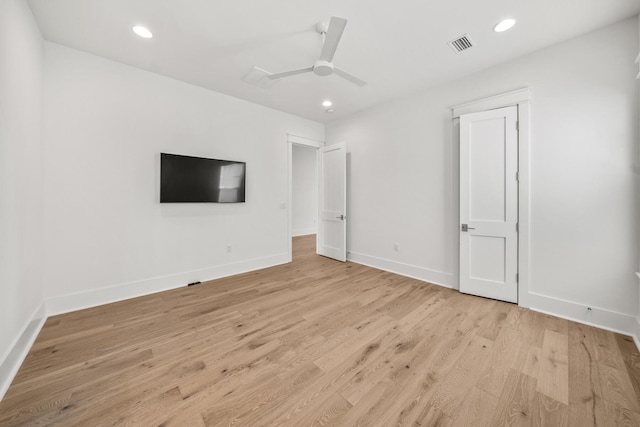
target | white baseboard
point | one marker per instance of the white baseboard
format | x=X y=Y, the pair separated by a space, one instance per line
x=408 y=270
x=20 y=348
x=95 y=297
x=303 y=231
x=600 y=318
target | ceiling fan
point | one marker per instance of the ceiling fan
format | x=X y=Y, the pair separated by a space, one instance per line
x=324 y=65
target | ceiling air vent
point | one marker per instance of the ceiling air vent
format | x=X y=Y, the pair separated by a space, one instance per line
x=461 y=43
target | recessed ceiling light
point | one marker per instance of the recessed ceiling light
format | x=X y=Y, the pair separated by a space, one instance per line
x=504 y=25
x=330 y=110
x=327 y=103
x=142 y=32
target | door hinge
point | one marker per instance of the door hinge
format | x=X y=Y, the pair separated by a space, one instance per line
x=517 y=176
x=517 y=278
x=517 y=227
x=518 y=126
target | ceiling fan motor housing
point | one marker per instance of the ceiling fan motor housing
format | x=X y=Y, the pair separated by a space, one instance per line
x=322 y=27
x=323 y=68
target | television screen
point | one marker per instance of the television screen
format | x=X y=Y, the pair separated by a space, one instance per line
x=185 y=179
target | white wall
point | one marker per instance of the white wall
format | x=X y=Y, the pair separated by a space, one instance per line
x=107 y=236
x=21 y=211
x=304 y=195
x=584 y=215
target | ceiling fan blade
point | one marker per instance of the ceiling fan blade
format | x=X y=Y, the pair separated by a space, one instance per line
x=289 y=73
x=350 y=77
x=332 y=38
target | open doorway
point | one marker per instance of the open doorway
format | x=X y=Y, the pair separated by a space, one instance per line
x=318 y=196
x=303 y=193
x=304 y=198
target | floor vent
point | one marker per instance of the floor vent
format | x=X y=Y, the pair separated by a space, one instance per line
x=461 y=44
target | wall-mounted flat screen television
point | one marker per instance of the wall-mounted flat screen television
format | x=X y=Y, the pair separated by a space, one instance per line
x=186 y=179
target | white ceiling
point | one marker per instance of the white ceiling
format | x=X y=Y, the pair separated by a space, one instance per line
x=396 y=46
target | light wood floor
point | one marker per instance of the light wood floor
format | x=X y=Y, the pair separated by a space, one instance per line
x=318 y=342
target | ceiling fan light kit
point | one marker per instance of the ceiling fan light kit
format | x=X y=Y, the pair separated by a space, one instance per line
x=331 y=33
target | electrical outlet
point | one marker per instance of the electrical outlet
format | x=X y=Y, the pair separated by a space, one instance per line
x=229 y=248
x=396 y=247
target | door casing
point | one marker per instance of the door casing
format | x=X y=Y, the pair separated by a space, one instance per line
x=522 y=98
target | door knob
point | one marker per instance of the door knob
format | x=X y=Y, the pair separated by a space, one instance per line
x=465 y=227
x=341 y=217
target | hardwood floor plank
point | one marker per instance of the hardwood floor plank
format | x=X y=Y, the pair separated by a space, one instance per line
x=432 y=417
x=320 y=342
x=528 y=360
x=183 y=419
x=553 y=375
x=585 y=390
x=378 y=360
x=423 y=311
x=265 y=398
x=460 y=380
x=328 y=413
x=477 y=409
x=617 y=388
x=496 y=321
x=611 y=414
x=363 y=337
x=631 y=360
x=504 y=351
x=516 y=405
x=547 y=411
x=370 y=406
x=532 y=328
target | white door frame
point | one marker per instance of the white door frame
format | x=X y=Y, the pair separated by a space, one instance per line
x=522 y=99
x=291 y=141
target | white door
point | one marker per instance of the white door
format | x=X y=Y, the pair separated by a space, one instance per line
x=489 y=204
x=332 y=205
